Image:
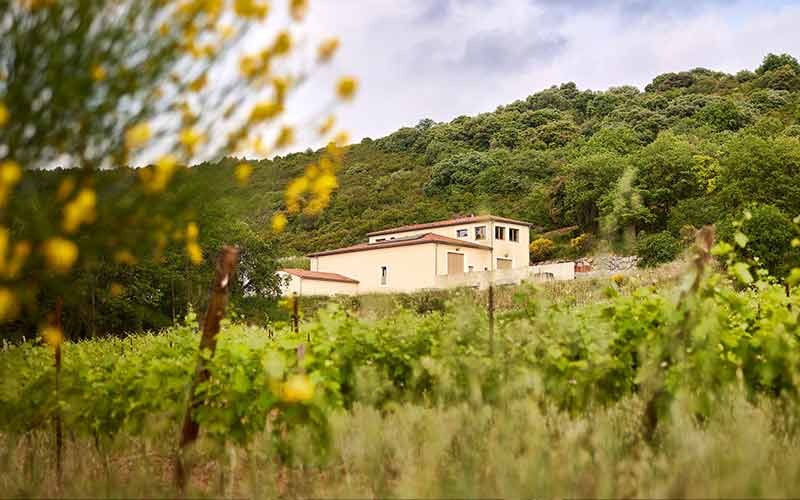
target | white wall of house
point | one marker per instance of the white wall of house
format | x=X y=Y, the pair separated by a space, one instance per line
x=408 y=267
x=307 y=286
x=517 y=251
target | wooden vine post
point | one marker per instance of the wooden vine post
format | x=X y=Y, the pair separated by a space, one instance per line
x=491 y=319
x=218 y=299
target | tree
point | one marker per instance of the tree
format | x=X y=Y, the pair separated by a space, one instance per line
x=664 y=175
x=772 y=62
x=588 y=180
x=93 y=85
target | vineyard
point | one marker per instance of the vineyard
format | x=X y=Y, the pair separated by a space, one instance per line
x=680 y=390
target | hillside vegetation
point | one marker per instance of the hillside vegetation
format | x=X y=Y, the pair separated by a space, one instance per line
x=693 y=148
x=633 y=170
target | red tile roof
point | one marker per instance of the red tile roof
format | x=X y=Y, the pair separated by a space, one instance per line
x=317 y=275
x=449 y=222
x=401 y=242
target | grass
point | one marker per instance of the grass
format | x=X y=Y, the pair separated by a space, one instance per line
x=521 y=449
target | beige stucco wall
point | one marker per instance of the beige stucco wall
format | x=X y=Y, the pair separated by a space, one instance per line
x=517 y=251
x=479 y=258
x=411 y=267
x=306 y=286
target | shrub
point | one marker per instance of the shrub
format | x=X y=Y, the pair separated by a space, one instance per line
x=769 y=233
x=581 y=244
x=654 y=249
x=541 y=249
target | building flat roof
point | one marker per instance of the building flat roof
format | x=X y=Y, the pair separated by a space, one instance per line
x=317 y=275
x=448 y=222
x=414 y=240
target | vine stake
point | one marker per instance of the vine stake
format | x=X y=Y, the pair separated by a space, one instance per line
x=218 y=299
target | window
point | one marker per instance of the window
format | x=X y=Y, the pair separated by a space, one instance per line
x=384 y=275
x=470 y=268
x=462 y=233
x=499 y=233
x=513 y=234
x=480 y=233
x=380 y=239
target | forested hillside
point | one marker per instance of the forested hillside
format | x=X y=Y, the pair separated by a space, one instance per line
x=637 y=169
x=693 y=148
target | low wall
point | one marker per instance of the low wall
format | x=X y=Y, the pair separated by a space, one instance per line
x=545 y=272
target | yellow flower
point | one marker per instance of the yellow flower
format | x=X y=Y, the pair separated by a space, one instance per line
x=285 y=137
x=346 y=88
x=298 y=388
x=280 y=85
x=9 y=305
x=226 y=32
x=156 y=181
x=52 y=336
x=137 y=135
x=60 y=254
x=242 y=172
x=79 y=211
x=190 y=138
x=327 y=49
x=278 y=222
x=10 y=175
x=327 y=125
x=65 y=188
x=248 y=65
x=265 y=110
x=125 y=257
x=10 y=268
x=98 y=73
x=194 y=252
x=283 y=43
x=116 y=290
x=192 y=232
x=3 y=114
x=199 y=83
x=298 y=9
x=250 y=8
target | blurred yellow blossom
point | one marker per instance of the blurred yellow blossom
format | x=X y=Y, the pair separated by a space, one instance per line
x=124 y=257
x=278 y=222
x=10 y=266
x=243 y=172
x=327 y=125
x=60 y=254
x=248 y=65
x=98 y=73
x=199 y=83
x=298 y=388
x=137 y=135
x=156 y=180
x=116 y=290
x=81 y=210
x=327 y=49
x=250 y=8
x=52 y=336
x=192 y=231
x=283 y=43
x=65 y=188
x=3 y=114
x=265 y=110
x=190 y=138
x=346 y=88
x=194 y=252
x=298 y=9
x=285 y=137
x=9 y=305
x=10 y=175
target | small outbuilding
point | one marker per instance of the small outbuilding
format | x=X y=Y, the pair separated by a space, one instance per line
x=304 y=282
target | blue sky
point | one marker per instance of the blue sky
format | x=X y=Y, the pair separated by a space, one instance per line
x=444 y=58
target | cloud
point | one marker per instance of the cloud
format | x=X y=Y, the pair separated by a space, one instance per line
x=445 y=58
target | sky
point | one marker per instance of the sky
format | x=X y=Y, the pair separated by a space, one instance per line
x=441 y=59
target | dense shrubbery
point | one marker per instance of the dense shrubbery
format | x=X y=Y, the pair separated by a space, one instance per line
x=654 y=249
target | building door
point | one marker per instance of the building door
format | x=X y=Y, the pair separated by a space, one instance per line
x=503 y=264
x=455 y=263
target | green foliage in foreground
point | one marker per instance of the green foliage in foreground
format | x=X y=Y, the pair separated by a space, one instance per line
x=576 y=358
